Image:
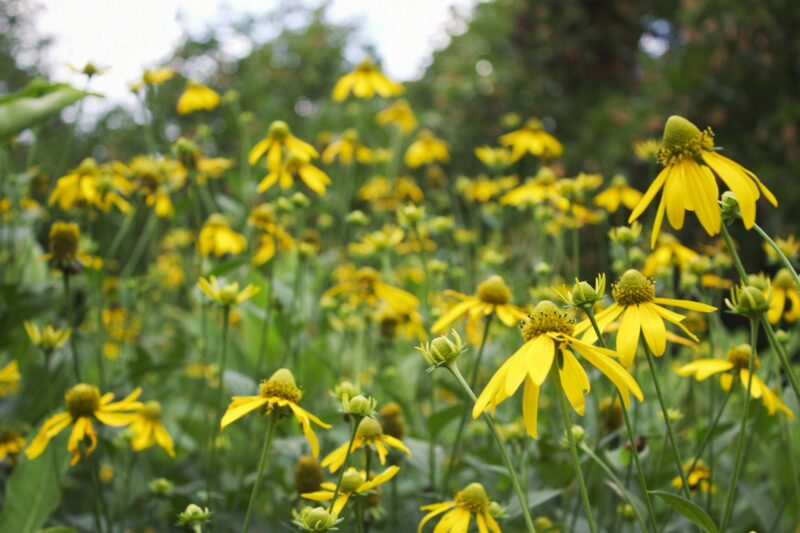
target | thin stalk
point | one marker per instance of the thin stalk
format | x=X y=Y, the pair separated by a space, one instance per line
x=629 y=428
x=218 y=406
x=463 y=422
x=784 y=260
x=523 y=502
x=737 y=462
x=76 y=367
x=100 y=511
x=262 y=344
x=141 y=244
x=359 y=510
x=354 y=421
x=573 y=447
x=670 y=434
x=273 y=423
x=710 y=433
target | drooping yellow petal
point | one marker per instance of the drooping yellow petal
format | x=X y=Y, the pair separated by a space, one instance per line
x=237 y=410
x=628 y=335
x=655 y=333
x=651 y=192
x=703 y=368
x=574 y=381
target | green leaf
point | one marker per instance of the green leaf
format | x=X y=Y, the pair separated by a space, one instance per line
x=688 y=509
x=34 y=103
x=438 y=420
x=227 y=266
x=58 y=529
x=34 y=491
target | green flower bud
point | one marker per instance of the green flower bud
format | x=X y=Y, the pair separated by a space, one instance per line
x=748 y=301
x=442 y=350
x=359 y=405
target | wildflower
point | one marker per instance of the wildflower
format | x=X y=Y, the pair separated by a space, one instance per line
x=194 y=517
x=308 y=474
x=442 y=350
x=698 y=478
x=346 y=148
x=211 y=168
x=532 y=138
x=365 y=285
x=737 y=361
x=492 y=297
x=354 y=483
x=227 y=294
x=121 y=327
x=9 y=378
x=156 y=179
x=784 y=288
x=548 y=331
x=536 y=191
x=381 y=241
x=359 y=405
x=161 y=486
x=296 y=164
x=481 y=189
x=691 y=167
x=153 y=78
x=640 y=310
x=197 y=97
x=279 y=392
x=399 y=114
x=582 y=294
x=63 y=245
x=272 y=235
x=618 y=193
x=84 y=405
x=89 y=69
x=789 y=246
x=426 y=149
x=749 y=300
x=217 y=238
x=11 y=444
x=494 y=158
x=472 y=500
x=148 y=429
x=279 y=138
x=316 y=519
x=368 y=433
x=364 y=82
x=90 y=184
x=48 y=338
x=647 y=149
x=668 y=252
x=384 y=194
x=392 y=420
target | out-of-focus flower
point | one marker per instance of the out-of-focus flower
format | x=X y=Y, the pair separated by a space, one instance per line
x=369 y=433
x=121 y=327
x=668 y=252
x=381 y=241
x=618 y=193
x=384 y=194
x=227 y=294
x=494 y=158
x=354 y=483
x=156 y=179
x=365 y=285
x=346 y=148
x=153 y=78
x=537 y=190
x=90 y=184
x=784 y=288
x=218 y=239
x=211 y=168
x=458 y=513
x=89 y=70
x=399 y=114
x=647 y=149
x=699 y=478
x=315 y=519
x=11 y=444
x=364 y=82
x=272 y=235
x=789 y=246
x=296 y=164
x=47 y=338
x=532 y=139
x=9 y=378
x=426 y=149
x=148 y=429
x=197 y=97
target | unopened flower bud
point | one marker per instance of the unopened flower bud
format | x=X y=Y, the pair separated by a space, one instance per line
x=359 y=405
x=442 y=350
x=729 y=208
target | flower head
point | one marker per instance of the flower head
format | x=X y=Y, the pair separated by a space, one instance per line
x=346 y=148
x=148 y=429
x=9 y=378
x=749 y=300
x=218 y=239
x=784 y=288
x=47 y=338
x=442 y=350
x=369 y=433
x=197 y=97
x=468 y=502
x=400 y=114
x=426 y=149
x=364 y=82
x=227 y=294
x=582 y=294
x=618 y=193
x=354 y=483
x=316 y=519
x=533 y=139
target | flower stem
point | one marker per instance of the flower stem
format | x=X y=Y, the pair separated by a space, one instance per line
x=212 y=449
x=463 y=422
x=629 y=428
x=784 y=260
x=710 y=433
x=76 y=367
x=737 y=462
x=355 y=420
x=573 y=447
x=675 y=453
x=523 y=503
x=273 y=422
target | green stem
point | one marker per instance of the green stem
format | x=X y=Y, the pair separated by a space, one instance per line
x=218 y=404
x=573 y=447
x=737 y=261
x=355 y=421
x=710 y=433
x=629 y=428
x=273 y=422
x=737 y=462
x=665 y=412
x=76 y=367
x=784 y=260
x=523 y=502
x=463 y=422
x=141 y=244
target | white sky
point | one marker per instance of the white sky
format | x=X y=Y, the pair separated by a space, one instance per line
x=130 y=35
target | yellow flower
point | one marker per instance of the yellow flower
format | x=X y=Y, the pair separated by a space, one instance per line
x=384 y=194
x=784 y=288
x=699 y=478
x=639 y=310
x=11 y=444
x=153 y=78
x=364 y=82
x=212 y=168
x=296 y=164
x=228 y=294
x=381 y=241
x=789 y=246
x=89 y=69
x=532 y=139
x=9 y=378
x=272 y=235
x=216 y=237
x=537 y=190
x=669 y=252
x=548 y=334
x=368 y=433
x=64 y=253
x=148 y=430
x=495 y=158
x=156 y=179
x=278 y=392
x=354 y=482
x=346 y=147
x=492 y=297
x=472 y=500
x=48 y=338
x=689 y=179
x=399 y=114
x=279 y=138
x=197 y=97
x=426 y=149
x=481 y=189
x=738 y=361
x=121 y=327
x=84 y=405
x=90 y=184
x=365 y=285
x=647 y=149
x=391 y=322
x=618 y=193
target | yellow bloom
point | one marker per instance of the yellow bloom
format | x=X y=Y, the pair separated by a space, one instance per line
x=63 y=249
x=153 y=78
x=647 y=149
x=279 y=138
x=384 y=194
x=784 y=288
x=618 y=193
x=391 y=322
x=689 y=179
x=212 y=168
x=426 y=149
x=197 y=97
x=738 y=361
x=364 y=82
x=346 y=147
x=537 y=190
x=156 y=179
x=639 y=310
x=399 y=114
x=278 y=392
x=381 y=241
x=481 y=189
x=89 y=69
x=669 y=252
x=121 y=327
x=472 y=500
x=368 y=433
x=548 y=334
x=492 y=297
x=11 y=444
x=9 y=378
x=272 y=235
x=48 y=338
x=789 y=246
x=354 y=483
x=296 y=164
x=365 y=285
x=699 y=478
x=532 y=139
x=228 y=294
x=495 y=158
x=90 y=184
x=84 y=405
x=148 y=430
x=217 y=238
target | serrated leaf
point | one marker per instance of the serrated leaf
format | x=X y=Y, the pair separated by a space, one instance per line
x=688 y=509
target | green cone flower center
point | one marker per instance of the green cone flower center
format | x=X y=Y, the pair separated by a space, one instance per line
x=534 y=124
x=152 y=410
x=740 y=355
x=64 y=237
x=281 y=385
x=369 y=429
x=366 y=65
x=633 y=288
x=494 y=290
x=683 y=139
x=279 y=130
x=473 y=497
x=351 y=480
x=545 y=318
x=82 y=400
x=783 y=279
